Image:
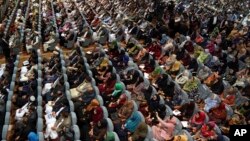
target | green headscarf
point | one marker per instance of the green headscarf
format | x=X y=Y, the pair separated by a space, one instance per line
x=202 y=57
x=110 y=136
x=157 y=71
x=118 y=89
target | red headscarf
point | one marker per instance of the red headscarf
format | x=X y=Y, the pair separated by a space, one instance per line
x=97 y=114
x=206 y=132
x=200 y=119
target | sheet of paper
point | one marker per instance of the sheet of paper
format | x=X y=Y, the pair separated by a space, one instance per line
x=146 y=75
x=176 y=112
x=184 y=123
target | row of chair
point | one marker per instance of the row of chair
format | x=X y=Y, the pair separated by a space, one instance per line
x=67 y=92
x=54 y=17
x=8 y=103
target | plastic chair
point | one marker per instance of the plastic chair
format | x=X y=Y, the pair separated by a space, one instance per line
x=135 y=106
x=110 y=125
x=73 y=118
x=76 y=132
x=97 y=92
x=116 y=136
x=10 y=95
x=128 y=94
x=7 y=118
x=65 y=77
x=71 y=106
x=5 y=132
x=8 y=106
x=105 y=112
x=39 y=125
x=39 y=110
x=141 y=115
x=40 y=136
x=226 y=138
x=66 y=84
x=149 y=134
x=169 y=111
x=100 y=100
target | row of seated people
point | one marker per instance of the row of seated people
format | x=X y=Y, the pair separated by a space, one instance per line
x=174 y=69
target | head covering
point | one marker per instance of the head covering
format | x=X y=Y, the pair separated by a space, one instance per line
x=97 y=115
x=118 y=89
x=140 y=132
x=32 y=136
x=203 y=73
x=205 y=132
x=164 y=39
x=157 y=71
x=176 y=66
x=105 y=62
x=200 y=119
x=122 y=99
x=110 y=136
x=180 y=138
x=181 y=79
x=92 y=104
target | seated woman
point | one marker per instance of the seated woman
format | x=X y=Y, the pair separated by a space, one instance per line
x=207 y=132
x=155 y=74
x=154 y=102
x=187 y=111
x=136 y=89
x=155 y=49
x=193 y=64
x=149 y=66
x=134 y=50
x=126 y=111
x=140 y=132
x=122 y=60
x=215 y=82
x=113 y=50
x=96 y=115
x=165 y=129
x=219 y=113
x=118 y=91
x=229 y=96
x=116 y=104
x=76 y=92
x=130 y=77
x=105 y=73
x=197 y=121
x=99 y=131
x=132 y=122
x=144 y=109
x=163 y=59
x=175 y=69
x=140 y=54
x=108 y=86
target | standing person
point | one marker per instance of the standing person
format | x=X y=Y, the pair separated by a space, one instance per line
x=5 y=47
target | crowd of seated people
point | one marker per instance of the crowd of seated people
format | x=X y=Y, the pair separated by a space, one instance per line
x=160 y=70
